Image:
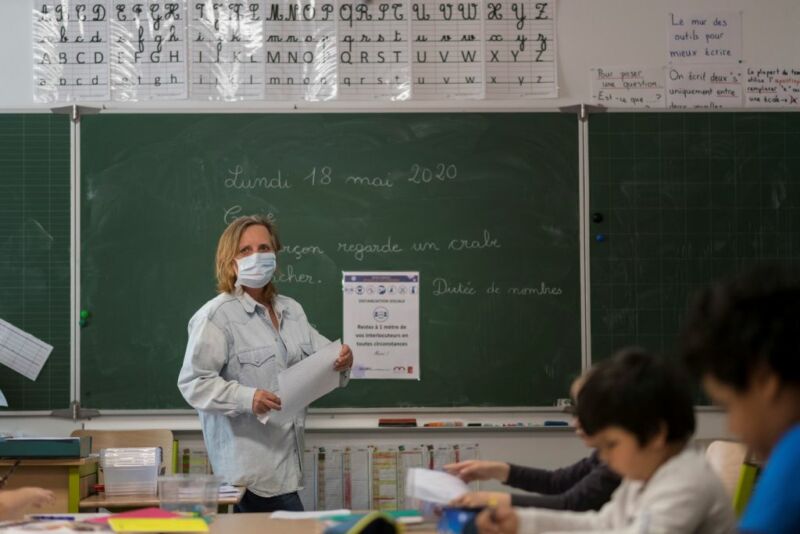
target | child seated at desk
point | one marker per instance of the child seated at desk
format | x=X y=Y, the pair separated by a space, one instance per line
x=14 y=502
x=585 y=485
x=742 y=337
x=637 y=411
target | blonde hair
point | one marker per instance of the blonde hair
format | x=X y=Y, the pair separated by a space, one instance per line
x=228 y=249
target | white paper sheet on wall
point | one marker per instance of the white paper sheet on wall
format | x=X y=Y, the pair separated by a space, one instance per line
x=227 y=50
x=520 y=49
x=447 y=49
x=374 y=51
x=70 y=50
x=772 y=86
x=148 y=50
x=300 y=50
x=21 y=351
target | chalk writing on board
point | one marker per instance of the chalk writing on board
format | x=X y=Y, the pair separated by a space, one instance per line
x=424 y=246
x=446 y=287
x=628 y=87
x=300 y=251
x=361 y=250
x=236 y=179
x=772 y=87
x=229 y=214
x=323 y=178
x=443 y=286
x=441 y=172
x=373 y=181
x=483 y=242
x=287 y=275
x=541 y=290
x=704 y=37
x=704 y=86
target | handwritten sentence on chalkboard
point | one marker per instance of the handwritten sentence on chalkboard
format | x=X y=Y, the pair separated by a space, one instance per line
x=441 y=287
x=323 y=176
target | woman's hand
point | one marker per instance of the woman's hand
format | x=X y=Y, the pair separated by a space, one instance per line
x=264 y=401
x=500 y=520
x=479 y=470
x=345 y=359
x=479 y=499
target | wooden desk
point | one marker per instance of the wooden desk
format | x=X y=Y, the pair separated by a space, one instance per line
x=140 y=501
x=260 y=523
x=61 y=476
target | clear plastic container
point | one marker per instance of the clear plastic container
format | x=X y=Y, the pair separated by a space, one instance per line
x=130 y=471
x=190 y=493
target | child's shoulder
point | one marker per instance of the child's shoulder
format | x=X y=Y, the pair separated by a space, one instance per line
x=690 y=470
x=784 y=460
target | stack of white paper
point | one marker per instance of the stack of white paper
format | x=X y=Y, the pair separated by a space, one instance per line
x=434 y=486
x=305 y=382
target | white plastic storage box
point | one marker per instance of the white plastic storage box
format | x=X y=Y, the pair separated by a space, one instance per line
x=131 y=471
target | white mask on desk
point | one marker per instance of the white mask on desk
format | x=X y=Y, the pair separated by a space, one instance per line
x=256 y=270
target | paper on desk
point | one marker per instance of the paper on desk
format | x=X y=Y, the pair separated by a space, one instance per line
x=21 y=351
x=175 y=524
x=434 y=486
x=304 y=382
x=3 y=401
x=283 y=514
x=227 y=489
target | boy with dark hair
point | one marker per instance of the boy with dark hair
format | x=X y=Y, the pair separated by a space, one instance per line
x=637 y=412
x=585 y=485
x=742 y=337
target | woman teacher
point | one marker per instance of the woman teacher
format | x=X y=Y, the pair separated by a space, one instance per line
x=238 y=343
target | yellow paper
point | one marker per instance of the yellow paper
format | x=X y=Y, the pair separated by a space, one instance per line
x=178 y=524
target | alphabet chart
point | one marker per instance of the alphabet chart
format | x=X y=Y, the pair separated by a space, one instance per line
x=373 y=50
x=521 y=49
x=447 y=49
x=293 y=50
x=148 y=50
x=70 y=50
x=301 y=50
x=227 y=50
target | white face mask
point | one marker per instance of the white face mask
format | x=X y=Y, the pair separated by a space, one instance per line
x=256 y=270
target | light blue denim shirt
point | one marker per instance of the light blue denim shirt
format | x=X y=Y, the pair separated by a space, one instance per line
x=233 y=350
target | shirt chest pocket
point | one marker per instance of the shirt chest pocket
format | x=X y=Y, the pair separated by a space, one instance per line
x=306 y=350
x=258 y=368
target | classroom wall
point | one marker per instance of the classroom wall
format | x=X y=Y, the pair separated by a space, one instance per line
x=590 y=33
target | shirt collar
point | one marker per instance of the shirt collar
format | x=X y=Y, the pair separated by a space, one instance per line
x=249 y=303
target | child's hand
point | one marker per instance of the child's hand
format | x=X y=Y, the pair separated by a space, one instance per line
x=478 y=499
x=479 y=470
x=36 y=497
x=500 y=520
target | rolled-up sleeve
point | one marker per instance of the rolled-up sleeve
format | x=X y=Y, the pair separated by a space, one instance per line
x=199 y=380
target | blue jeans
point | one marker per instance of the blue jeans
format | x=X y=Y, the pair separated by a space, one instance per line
x=252 y=503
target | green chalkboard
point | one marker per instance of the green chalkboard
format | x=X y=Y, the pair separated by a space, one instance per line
x=157 y=191
x=685 y=198
x=34 y=251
